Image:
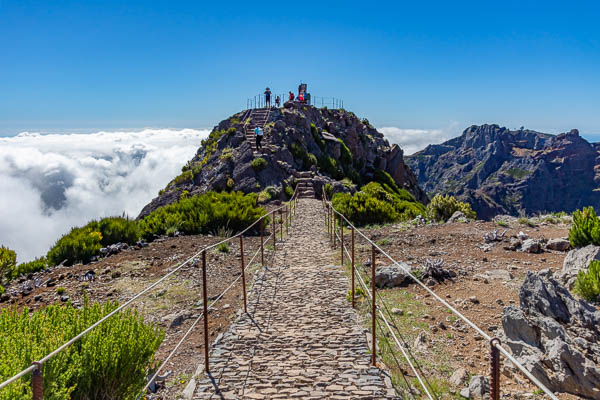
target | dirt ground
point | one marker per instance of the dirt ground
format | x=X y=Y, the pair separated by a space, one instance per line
x=173 y=305
x=446 y=342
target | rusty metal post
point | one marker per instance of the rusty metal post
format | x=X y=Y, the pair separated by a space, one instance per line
x=205 y=307
x=243 y=271
x=494 y=369
x=281 y=223
x=352 y=229
x=37 y=382
x=334 y=228
x=332 y=224
x=262 y=242
x=342 y=238
x=287 y=223
x=373 y=308
x=274 y=230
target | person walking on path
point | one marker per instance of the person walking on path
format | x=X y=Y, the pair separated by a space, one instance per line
x=267 y=97
x=259 y=135
x=278 y=101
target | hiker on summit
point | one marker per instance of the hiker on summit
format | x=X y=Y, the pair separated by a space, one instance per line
x=291 y=96
x=278 y=101
x=259 y=135
x=267 y=97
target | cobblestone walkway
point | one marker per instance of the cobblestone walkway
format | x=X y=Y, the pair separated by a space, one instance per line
x=301 y=339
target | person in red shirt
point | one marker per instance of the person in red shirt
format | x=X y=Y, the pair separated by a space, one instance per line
x=291 y=97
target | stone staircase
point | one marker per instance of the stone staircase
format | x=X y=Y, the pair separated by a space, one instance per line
x=258 y=117
x=305 y=185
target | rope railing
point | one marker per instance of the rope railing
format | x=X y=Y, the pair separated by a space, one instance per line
x=289 y=207
x=494 y=342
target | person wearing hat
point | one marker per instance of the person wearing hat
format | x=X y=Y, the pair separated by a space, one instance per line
x=267 y=97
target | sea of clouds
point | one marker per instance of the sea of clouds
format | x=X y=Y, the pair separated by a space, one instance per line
x=52 y=182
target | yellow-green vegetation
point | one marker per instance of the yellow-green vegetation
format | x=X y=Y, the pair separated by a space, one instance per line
x=258 y=164
x=289 y=192
x=264 y=197
x=81 y=244
x=526 y=221
x=317 y=138
x=203 y=213
x=8 y=262
x=518 y=173
x=111 y=362
x=587 y=284
x=226 y=154
x=376 y=204
x=230 y=183
x=223 y=247
x=585 y=229
x=210 y=143
x=442 y=207
x=328 y=190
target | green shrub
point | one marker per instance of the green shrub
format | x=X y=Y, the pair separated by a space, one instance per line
x=117 y=229
x=258 y=164
x=311 y=160
x=223 y=247
x=317 y=137
x=8 y=261
x=374 y=204
x=264 y=197
x=60 y=290
x=203 y=214
x=329 y=166
x=184 y=195
x=289 y=192
x=79 y=245
x=226 y=154
x=585 y=229
x=111 y=362
x=300 y=153
x=442 y=207
x=230 y=183
x=587 y=284
x=328 y=190
x=345 y=156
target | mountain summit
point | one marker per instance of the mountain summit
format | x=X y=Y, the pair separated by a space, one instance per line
x=302 y=143
x=500 y=171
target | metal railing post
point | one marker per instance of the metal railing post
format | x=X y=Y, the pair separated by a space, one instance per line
x=342 y=238
x=373 y=308
x=494 y=370
x=352 y=229
x=205 y=309
x=262 y=242
x=287 y=223
x=37 y=381
x=243 y=271
x=274 y=230
x=333 y=227
x=281 y=224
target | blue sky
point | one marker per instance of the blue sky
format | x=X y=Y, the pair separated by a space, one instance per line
x=89 y=65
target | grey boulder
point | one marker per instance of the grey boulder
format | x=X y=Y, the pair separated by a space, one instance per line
x=575 y=261
x=558 y=244
x=392 y=276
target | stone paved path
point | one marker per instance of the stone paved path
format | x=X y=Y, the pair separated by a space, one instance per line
x=301 y=338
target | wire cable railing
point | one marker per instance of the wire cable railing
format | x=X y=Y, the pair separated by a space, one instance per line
x=289 y=207
x=260 y=101
x=494 y=342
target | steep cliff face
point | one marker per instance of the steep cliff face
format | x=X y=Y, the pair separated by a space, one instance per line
x=500 y=171
x=335 y=145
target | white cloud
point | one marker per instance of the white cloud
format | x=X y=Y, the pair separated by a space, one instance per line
x=50 y=183
x=413 y=140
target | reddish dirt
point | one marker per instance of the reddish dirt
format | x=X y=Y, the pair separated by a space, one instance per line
x=121 y=276
x=459 y=245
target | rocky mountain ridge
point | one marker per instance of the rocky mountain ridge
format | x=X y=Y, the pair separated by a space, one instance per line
x=335 y=146
x=500 y=171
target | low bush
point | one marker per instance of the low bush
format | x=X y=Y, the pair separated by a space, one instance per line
x=376 y=205
x=328 y=190
x=8 y=261
x=264 y=197
x=585 y=229
x=289 y=192
x=81 y=244
x=230 y=183
x=203 y=214
x=526 y=221
x=587 y=284
x=223 y=248
x=111 y=362
x=258 y=164
x=317 y=137
x=442 y=207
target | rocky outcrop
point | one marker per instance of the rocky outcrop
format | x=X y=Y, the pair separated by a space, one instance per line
x=332 y=144
x=499 y=171
x=555 y=336
x=577 y=260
